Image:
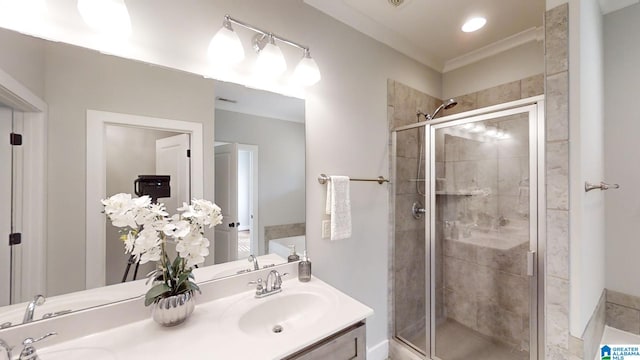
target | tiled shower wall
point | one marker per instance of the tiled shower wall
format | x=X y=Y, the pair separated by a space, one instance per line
x=408 y=249
x=557 y=183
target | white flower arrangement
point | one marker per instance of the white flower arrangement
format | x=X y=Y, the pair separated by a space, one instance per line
x=146 y=228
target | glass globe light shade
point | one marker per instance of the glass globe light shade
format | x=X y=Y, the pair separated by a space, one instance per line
x=270 y=62
x=307 y=72
x=225 y=47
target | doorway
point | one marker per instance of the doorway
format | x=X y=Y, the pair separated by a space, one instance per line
x=97 y=122
x=465 y=259
x=236 y=191
x=131 y=152
x=6 y=205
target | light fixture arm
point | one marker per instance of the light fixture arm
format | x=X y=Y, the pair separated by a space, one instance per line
x=266 y=33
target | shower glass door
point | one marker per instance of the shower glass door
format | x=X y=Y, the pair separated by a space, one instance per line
x=483 y=236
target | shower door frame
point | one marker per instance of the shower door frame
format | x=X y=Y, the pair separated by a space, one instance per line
x=537 y=209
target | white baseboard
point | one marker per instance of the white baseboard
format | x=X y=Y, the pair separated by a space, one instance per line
x=379 y=351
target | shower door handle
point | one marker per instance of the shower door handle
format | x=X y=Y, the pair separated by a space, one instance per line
x=531 y=263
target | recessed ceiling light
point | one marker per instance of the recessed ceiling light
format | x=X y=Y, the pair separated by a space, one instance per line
x=474 y=24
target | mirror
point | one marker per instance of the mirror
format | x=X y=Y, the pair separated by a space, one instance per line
x=75 y=84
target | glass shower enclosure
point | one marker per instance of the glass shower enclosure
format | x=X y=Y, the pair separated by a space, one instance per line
x=465 y=234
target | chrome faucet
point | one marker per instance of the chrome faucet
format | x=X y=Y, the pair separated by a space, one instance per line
x=28 y=314
x=6 y=348
x=272 y=285
x=29 y=351
x=274 y=282
x=254 y=260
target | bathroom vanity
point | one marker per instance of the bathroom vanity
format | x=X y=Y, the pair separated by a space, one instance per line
x=303 y=321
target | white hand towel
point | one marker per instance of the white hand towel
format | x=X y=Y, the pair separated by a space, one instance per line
x=339 y=207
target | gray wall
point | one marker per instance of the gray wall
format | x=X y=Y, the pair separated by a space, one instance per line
x=22 y=57
x=281 y=168
x=77 y=80
x=587 y=245
x=621 y=130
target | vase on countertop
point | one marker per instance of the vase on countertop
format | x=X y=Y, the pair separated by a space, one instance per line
x=173 y=310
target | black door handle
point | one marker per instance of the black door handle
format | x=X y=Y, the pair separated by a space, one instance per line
x=232 y=225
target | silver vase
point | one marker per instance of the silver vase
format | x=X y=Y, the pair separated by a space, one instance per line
x=173 y=310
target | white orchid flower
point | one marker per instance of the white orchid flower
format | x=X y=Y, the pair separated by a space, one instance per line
x=177 y=229
x=193 y=248
x=147 y=246
x=129 y=242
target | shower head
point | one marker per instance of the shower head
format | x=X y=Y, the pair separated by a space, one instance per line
x=448 y=104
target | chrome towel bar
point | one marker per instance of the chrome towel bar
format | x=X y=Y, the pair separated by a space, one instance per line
x=323 y=178
x=602 y=186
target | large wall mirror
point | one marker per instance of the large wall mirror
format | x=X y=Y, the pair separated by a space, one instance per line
x=95 y=123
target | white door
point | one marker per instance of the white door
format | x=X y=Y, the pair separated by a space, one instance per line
x=5 y=205
x=252 y=197
x=172 y=160
x=226 y=196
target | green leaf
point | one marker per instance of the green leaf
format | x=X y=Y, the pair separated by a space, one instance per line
x=176 y=264
x=156 y=292
x=193 y=287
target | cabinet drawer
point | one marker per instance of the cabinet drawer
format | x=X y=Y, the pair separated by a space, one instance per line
x=344 y=345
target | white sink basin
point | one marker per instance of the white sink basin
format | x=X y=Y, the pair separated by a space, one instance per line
x=281 y=314
x=93 y=353
x=298 y=307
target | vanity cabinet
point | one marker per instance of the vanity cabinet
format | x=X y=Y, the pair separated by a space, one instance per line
x=347 y=344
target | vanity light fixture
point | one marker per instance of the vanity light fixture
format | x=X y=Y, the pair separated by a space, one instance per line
x=225 y=47
x=474 y=24
x=109 y=17
x=307 y=72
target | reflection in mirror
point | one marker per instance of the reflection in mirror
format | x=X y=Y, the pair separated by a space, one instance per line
x=55 y=88
x=259 y=174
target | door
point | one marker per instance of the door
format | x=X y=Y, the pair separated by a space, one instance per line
x=226 y=196
x=248 y=200
x=172 y=159
x=483 y=236
x=5 y=205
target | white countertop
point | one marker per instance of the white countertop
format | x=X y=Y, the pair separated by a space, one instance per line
x=118 y=292
x=212 y=331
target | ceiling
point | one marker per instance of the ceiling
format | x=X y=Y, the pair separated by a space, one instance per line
x=429 y=30
x=258 y=102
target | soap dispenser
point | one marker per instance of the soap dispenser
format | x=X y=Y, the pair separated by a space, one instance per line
x=304 y=268
x=293 y=257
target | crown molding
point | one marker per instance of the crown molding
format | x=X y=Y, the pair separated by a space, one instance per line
x=608 y=6
x=521 y=38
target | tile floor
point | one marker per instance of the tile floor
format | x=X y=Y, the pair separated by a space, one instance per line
x=244 y=245
x=457 y=342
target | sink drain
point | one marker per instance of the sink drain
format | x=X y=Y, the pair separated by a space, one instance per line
x=277 y=329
